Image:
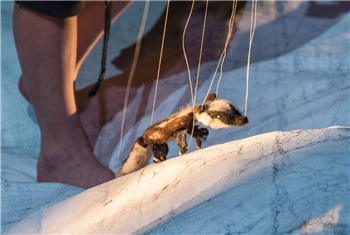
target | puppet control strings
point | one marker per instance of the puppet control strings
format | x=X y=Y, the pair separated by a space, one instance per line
x=132 y=72
x=251 y=36
x=220 y=62
x=223 y=54
x=194 y=94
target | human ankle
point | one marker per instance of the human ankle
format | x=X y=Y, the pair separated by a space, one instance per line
x=22 y=89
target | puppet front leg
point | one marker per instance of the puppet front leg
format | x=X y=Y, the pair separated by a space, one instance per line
x=199 y=134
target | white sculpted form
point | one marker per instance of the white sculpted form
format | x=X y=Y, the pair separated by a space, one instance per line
x=139 y=201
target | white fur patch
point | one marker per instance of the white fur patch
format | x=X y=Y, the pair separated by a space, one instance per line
x=219 y=106
x=181 y=113
x=156 y=136
x=217 y=124
x=186 y=111
x=203 y=118
x=162 y=124
x=168 y=121
x=206 y=120
x=137 y=159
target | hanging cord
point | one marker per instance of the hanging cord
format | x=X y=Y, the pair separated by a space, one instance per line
x=223 y=54
x=107 y=28
x=199 y=67
x=232 y=21
x=200 y=51
x=132 y=72
x=252 y=30
x=185 y=54
x=160 y=61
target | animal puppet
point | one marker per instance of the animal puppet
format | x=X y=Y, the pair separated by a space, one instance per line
x=214 y=113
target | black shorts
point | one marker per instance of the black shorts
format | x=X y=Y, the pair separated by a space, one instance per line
x=57 y=9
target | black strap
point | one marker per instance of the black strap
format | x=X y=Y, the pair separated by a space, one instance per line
x=107 y=27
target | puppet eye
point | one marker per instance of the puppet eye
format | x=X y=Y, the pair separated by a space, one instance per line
x=218 y=116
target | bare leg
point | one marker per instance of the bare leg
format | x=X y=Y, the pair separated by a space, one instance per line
x=92 y=112
x=90 y=26
x=47 y=50
x=90 y=29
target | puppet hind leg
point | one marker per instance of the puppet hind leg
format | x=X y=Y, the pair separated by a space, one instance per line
x=199 y=134
x=138 y=158
x=160 y=151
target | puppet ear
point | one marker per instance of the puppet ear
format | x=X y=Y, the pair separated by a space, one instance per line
x=204 y=108
x=211 y=97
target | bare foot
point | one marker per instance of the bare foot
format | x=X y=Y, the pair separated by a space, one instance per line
x=72 y=166
x=69 y=163
x=66 y=156
x=22 y=89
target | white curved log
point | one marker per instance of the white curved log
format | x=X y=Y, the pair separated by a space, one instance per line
x=137 y=202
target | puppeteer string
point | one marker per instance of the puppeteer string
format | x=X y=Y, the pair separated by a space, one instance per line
x=160 y=60
x=251 y=36
x=132 y=72
x=223 y=54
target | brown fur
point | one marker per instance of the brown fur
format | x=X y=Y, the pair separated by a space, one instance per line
x=167 y=129
x=214 y=113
